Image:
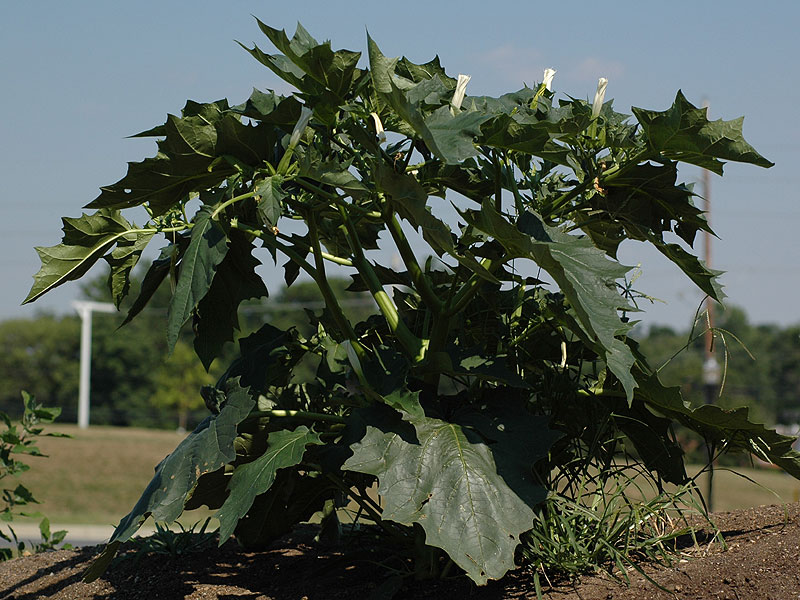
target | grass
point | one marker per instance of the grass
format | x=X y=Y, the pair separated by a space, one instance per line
x=98 y=475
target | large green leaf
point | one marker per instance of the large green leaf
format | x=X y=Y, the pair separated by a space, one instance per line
x=208 y=448
x=449 y=485
x=85 y=240
x=518 y=440
x=207 y=248
x=217 y=313
x=189 y=158
x=583 y=273
x=683 y=132
x=284 y=449
x=305 y=62
x=645 y=200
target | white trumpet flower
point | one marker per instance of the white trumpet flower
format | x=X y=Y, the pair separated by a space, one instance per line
x=599 y=97
x=547 y=79
x=378 y=127
x=300 y=127
x=461 y=89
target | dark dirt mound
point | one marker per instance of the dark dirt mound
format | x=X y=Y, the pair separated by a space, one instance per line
x=761 y=562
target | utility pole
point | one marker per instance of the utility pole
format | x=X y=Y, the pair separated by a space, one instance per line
x=85 y=310
x=711 y=369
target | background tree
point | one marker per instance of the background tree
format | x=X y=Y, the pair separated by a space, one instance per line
x=40 y=355
x=177 y=384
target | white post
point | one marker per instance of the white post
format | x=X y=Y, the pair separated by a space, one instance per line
x=85 y=311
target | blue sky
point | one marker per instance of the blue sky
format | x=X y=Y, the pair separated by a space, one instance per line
x=78 y=77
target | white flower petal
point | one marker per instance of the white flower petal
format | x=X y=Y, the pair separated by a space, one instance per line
x=547 y=80
x=461 y=89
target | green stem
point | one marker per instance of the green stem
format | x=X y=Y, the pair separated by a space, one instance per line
x=227 y=203
x=346 y=262
x=420 y=280
x=514 y=189
x=414 y=346
x=374 y=514
x=337 y=199
x=296 y=414
x=498 y=184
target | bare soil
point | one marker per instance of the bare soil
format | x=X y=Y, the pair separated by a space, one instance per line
x=761 y=562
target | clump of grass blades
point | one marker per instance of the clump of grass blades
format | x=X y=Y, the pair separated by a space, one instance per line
x=608 y=529
x=165 y=541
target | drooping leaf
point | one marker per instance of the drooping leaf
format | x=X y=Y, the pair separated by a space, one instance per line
x=284 y=449
x=207 y=248
x=217 y=313
x=724 y=427
x=706 y=279
x=123 y=259
x=683 y=132
x=205 y=450
x=292 y=498
x=422 y=483
x=86 y=239
x=583 y=273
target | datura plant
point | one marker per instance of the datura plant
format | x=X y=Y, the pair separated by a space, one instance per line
x=498 y=357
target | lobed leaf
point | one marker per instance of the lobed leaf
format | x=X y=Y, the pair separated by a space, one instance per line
x=86 y=239
x=683 y=132
x=284 y=449
x=122 y=260
x=205 y=450
x=450 y=486
x=729 y=428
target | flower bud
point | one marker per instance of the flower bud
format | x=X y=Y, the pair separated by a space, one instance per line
x=599 y=97
x=300 y=127
x=461 y=88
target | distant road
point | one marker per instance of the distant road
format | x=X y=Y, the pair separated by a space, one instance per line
x=77 y=535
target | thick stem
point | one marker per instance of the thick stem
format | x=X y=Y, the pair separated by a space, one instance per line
x=413 y=346
x=327 y=293
x=418 y=277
